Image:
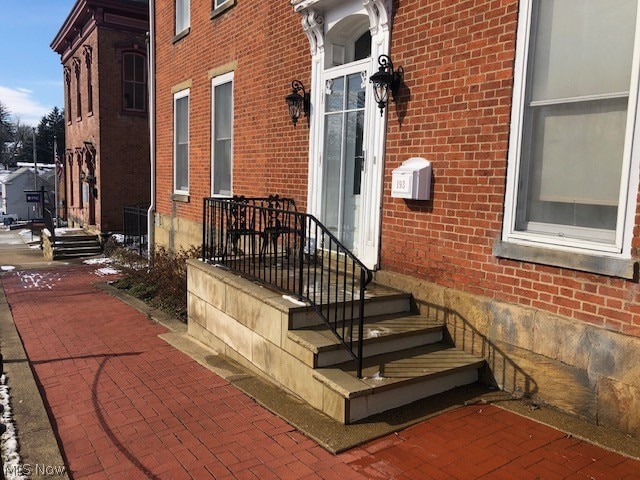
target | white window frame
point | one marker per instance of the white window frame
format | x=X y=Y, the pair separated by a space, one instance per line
x=215 y=82
x=621 y=245
x=183 y=10
x=177 y=96
x=220 y=3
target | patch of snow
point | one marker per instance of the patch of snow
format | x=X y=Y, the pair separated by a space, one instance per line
x=39 y=280
x=97 y=261
x=9 y=441
x=376 y=376
x=375 y=332
x=106 y=271
x=118 y=237
x=294 y=300
x=7 y=268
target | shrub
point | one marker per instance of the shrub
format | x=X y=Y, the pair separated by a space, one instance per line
x=162 y=283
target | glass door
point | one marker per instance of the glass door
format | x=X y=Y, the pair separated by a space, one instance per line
x=344 y=155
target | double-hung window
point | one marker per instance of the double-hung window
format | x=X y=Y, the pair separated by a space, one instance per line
x=134 y=81
x=221 y=134
x=570 y=181
x=183 y=15
x=181 y=142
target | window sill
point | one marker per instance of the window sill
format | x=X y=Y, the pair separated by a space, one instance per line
x=601 y=265
x=181 y=35
x=180 y=197
x=216 y=12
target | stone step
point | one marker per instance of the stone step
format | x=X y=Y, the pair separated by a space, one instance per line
x=251 y=324
x=378 y=300
x=394 y=379
x=382 y=334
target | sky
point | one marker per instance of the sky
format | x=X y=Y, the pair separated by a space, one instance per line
x=31 y=81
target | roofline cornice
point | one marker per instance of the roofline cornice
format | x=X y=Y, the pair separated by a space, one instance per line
x=87 y=14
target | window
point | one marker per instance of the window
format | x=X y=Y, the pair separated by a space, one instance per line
x=67 y=83
x=183 y=15
x=222 y=134
x=88 y=54
x=181 y=142
x=77 y=67
x=134 y=78
x=572 y=122
x=221 y=6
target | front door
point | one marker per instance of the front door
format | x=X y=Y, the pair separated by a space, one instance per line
x=343 y=159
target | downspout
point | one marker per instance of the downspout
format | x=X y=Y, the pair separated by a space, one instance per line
x=151 y=56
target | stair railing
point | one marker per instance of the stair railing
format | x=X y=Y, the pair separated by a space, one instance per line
x=268 y=240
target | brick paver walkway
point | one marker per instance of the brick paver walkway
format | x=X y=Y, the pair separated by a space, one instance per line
x=128 y=405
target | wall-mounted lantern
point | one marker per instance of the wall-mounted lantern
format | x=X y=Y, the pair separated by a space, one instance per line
x=298 y=103
x=385 y=80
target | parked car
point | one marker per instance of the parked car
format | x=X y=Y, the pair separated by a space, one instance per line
x=8 y=218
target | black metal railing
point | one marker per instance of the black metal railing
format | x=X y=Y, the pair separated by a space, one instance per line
x=134 y=226
x=267 y=239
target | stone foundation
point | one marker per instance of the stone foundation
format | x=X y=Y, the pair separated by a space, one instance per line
x=175 y=233
x=577 y=367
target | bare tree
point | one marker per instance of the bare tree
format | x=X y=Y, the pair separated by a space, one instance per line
x=6 y=133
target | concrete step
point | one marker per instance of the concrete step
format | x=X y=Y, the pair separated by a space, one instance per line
x=78 y=251
x=394 y=379
x=382 y=334
x=76 y=238
x=72 y=255
x=76 y=246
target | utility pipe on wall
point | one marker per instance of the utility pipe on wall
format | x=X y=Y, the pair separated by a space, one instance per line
x=151 y=57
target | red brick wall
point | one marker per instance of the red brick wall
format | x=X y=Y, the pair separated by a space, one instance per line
x=458 y=62
x=125 y=166
x=121 y=141
x=266 y=41
x=81 y=128
x=455 y=111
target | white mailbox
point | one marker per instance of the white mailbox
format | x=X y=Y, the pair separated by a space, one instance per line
x=412 y=180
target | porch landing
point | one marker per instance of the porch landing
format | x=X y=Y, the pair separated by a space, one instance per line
x=406 y=355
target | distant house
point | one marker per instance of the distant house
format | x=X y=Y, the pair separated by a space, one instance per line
x=14 y=186
x=102 y=46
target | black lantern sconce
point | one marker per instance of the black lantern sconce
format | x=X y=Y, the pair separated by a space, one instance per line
x=385 y=80
x=297 y=103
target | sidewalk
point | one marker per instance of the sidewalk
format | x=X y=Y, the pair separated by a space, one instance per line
x=126 y=404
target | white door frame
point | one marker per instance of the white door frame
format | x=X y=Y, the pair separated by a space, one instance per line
x=379 y=12
x=317 y=189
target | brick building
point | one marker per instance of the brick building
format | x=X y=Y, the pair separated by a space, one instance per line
x=528 y=241
x=102 y=45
